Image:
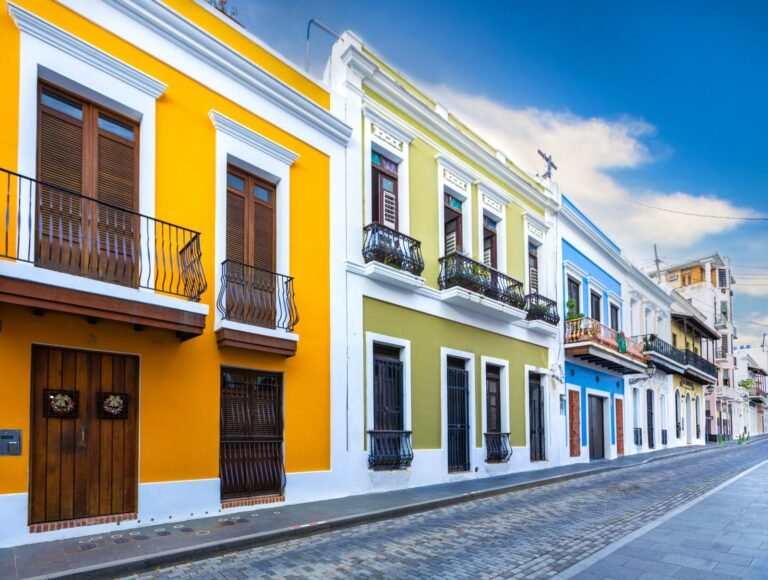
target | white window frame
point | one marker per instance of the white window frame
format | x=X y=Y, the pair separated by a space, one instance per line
x=469 y=357
x=615 y=300
x=535 y=231
x=494 y=206
x=384 y=136
x=246 y=149
x=573 y=271
x=371 y=339
x=503 y=364
x=451 y=178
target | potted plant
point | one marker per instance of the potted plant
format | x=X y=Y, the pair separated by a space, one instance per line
x=571 y=313
x=537 y=311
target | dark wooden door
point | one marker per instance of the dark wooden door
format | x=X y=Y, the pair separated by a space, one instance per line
x=574 y=423
x=620 y=426
x=536 y=417
x=251 y=452
x=84 y=439
x=458 y=416
x=596 y=430
x=649 y=411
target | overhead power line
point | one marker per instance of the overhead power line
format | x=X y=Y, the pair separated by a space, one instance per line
x=701 y=215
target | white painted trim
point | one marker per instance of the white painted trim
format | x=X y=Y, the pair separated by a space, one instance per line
x=40 y=60
x=26 y=271
x=404 y=345
x=469 y=357
x=254 y=157
x=609 y=449
x=387 y=274
x=574 y=271
x=501 y=233
x=548 y=453
x=595 y=285
x=255 y=330
x=252 y=138
x=35 y=26
x=373 y=142
x=504 y=392
x=154 y=26
x=397 y=94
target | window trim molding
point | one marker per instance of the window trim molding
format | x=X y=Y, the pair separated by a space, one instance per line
x=252 y=138
x=446 y=167
x=253 y=157
x=504 y=392
x=35 y=26
x=469 y=357
x=404 y=345
x=374 y=142
x=485 y=209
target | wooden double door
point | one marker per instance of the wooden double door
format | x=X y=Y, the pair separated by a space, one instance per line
x=596 y=428
x=84 y=441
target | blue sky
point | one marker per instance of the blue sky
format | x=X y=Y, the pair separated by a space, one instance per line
x=659 y=102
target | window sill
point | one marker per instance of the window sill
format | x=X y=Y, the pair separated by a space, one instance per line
x=387 y=275
x=473 y=301
x=247 y=337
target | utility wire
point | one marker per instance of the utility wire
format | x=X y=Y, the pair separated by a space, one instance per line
x=701 y=215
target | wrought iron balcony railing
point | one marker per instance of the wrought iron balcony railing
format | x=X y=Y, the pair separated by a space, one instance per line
x=257 y=297
x=702 y=364
x=588 y=330
x=652 y=343
x=721 y=320
x=57 y=229
x=387 y=246
x=389 y=450
x=678 y=429
x=638 y=432
x=250 y=468
x=542 y=308
x=698 y=431
x=460 y=270
x=663 y=436
x=497 y=447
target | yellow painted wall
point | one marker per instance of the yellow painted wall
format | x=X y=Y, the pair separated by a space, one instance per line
x=179 y=391
x=680 y=338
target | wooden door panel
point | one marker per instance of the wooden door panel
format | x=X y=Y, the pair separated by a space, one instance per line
x=620 y=426
x=83 y=466
x=574 y=422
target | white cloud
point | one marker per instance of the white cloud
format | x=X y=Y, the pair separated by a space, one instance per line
x=586 y=150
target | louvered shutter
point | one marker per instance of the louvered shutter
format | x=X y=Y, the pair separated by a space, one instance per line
x=263 y=236
x=388 y=201
x=117 y=229
x=58 y=213
x=235 y=227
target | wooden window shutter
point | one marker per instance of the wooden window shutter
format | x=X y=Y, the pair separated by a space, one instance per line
x=263 y=230
x=116 y=171
x=235 y=227
x=61 y=159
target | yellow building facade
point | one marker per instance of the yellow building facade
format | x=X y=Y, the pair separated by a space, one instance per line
x=165 y=308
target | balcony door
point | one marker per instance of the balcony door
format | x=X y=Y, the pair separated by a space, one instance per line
x=388 y=416
x=85 y=221
x=536 y=417
x=458 y=415
x=384 y=193
x=533 y=268
x=596 y=428
x=650 y=419
x=252 y=288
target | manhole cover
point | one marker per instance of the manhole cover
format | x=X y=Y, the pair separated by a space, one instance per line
x=87 y=546
x=141 y=537
x=121 y=540
x=163 y=533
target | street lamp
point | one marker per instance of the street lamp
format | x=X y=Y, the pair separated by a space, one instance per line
x=650 y=369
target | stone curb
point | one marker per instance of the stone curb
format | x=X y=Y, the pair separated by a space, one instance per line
x=147 y=562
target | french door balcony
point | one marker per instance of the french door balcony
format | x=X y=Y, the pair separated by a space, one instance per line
x=458 y=270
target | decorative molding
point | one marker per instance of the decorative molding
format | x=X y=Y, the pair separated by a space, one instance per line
x=499 y=196
x=387 y=137
x=252 y=138
x=35 y=26
x=492 y=203
x=571 y=268
x=532 y=229
x=388 y=125
x=432 y=120
x=172 y=26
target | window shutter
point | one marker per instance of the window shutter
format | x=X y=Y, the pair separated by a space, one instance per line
x=235 y=227
x=116 y=173
x=61 y=165
x=263 y=228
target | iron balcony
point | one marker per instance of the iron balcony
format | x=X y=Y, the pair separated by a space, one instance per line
x=392 y=248
x=389 y=450
x=664 y=355
x=497 y=448
x=464 y=272
x=540 y=307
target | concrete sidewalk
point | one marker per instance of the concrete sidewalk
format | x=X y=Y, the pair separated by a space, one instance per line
x=147 y=547
x=724 y=534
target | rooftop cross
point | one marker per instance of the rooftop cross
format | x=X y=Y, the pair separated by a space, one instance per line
x=550 y=164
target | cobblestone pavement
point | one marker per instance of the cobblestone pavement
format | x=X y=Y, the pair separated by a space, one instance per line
x=533 y=533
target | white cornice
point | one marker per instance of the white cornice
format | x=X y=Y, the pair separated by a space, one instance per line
x=250 y=137
x=571 y=268
x=388 y=124
x=33 y=25
x=399 y=96
x=164 y=21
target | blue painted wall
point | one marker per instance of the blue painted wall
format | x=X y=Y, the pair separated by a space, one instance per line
x=588 y=378
x=591 y=269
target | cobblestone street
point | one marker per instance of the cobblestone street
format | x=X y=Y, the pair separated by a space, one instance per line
x=532 y=533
